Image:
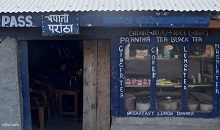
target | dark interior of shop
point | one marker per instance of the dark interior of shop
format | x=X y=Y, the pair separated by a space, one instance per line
x=55 y=66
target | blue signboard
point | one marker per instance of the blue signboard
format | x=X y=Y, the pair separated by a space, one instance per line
x=146 y=19
x=60 y=24
x=57 y=21
x=65 y=23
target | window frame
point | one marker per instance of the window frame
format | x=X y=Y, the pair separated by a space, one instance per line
x=118 y=62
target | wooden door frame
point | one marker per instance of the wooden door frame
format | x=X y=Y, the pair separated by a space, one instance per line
x=96 y=85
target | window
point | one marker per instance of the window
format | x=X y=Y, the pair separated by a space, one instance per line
x=137 y=76
x=200 y=77
x=168 y=76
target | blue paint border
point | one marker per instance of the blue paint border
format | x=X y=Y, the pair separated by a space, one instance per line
x=116 y=19
x=207 y=38
x=114 y=76
x=27 y=124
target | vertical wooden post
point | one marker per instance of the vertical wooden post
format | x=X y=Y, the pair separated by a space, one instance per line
x=103 y=85
x=89 y=85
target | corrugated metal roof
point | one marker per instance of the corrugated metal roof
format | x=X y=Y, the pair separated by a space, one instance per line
x=15 y=6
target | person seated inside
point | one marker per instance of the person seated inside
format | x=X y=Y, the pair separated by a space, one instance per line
x=60 y=77
x=61 y=81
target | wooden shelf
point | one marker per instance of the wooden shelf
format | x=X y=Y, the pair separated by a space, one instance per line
x=148 y=59
x=169 y=59
x=141 y=86
x=165 y=93
x=136 y=86
x=170 y=85
x=202 y=96
x=197 y=85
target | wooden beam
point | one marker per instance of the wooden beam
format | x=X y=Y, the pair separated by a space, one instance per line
x=103 y=86
x=89 y=85
x=214 y=24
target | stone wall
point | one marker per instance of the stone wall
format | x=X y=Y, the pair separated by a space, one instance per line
x=10 y=103
x=166 y=123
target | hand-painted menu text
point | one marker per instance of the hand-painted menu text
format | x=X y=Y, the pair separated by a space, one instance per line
x=159 y=113
x=185 y=68
x=164 y=33
x=17 y=21
x=217 y=47
x=121 y=74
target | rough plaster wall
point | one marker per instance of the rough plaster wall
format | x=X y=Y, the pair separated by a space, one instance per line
x=166 y=123
x=161 y=127
x=10 y=108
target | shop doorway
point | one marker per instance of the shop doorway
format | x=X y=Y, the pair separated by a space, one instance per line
x=56 y=66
